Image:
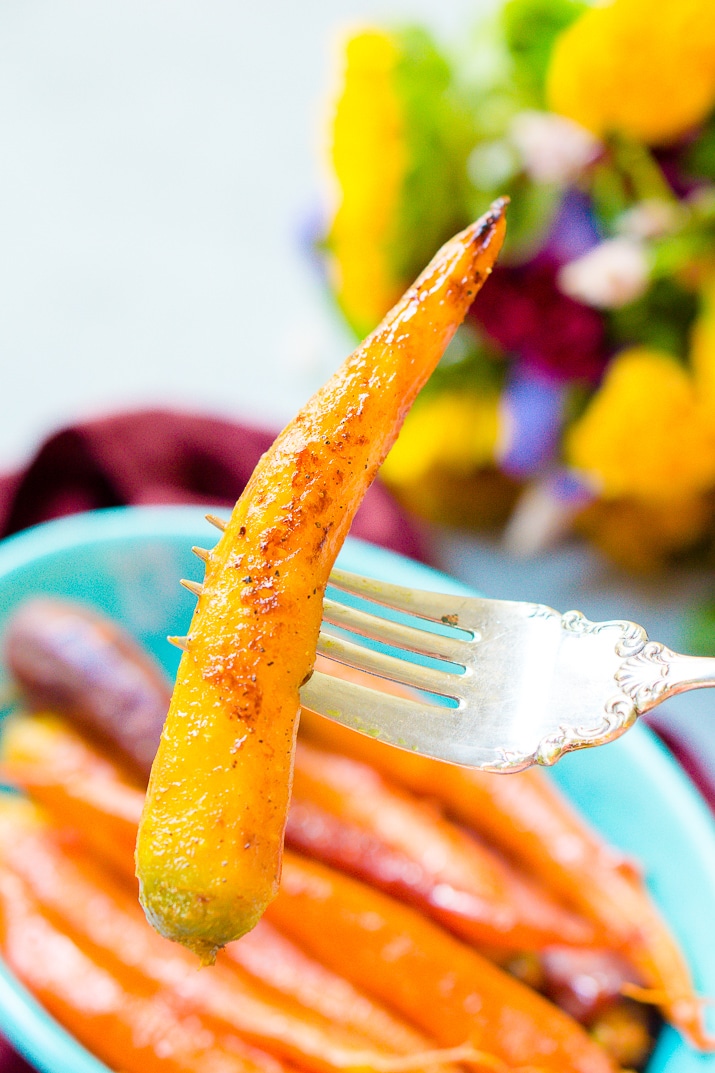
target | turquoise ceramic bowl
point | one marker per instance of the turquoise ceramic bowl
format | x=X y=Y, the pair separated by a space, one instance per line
x=127 y=563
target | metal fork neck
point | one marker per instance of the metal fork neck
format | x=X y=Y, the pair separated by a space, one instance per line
x=656 y=673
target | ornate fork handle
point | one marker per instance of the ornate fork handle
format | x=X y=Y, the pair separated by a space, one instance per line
x=655 y=673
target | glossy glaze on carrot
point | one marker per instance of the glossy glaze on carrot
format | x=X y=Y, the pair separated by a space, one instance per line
x=346 y=814
x=526 y=816
x=103 y=919
x=210 y=840
x=431 y=978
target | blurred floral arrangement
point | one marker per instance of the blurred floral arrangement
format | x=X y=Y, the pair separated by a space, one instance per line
x=580 y=395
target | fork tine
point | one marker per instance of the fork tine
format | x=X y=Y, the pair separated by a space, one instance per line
x=428 y=605
x=413 y=675
x=398 y=720
x=393 y=633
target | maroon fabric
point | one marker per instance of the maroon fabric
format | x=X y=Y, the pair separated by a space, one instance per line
x=159 y=456
x=696 y=767
x=10 y=1061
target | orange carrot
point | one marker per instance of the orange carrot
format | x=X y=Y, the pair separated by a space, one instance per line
x=211 y=835
x=61 y=770
x=87 y=794
x=272 y=958
x=521 y=813
x=125 y=1026
x=431 y=978
x=345 y=814
x=526 y=816
x=103 y=919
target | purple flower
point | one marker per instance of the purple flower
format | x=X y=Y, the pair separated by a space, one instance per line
x=532 y=408
x=574 y=231
x=523 y=311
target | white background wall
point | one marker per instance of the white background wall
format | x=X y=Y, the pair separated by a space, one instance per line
x=159 y=162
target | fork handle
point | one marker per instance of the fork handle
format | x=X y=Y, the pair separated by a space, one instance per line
x=656 y=673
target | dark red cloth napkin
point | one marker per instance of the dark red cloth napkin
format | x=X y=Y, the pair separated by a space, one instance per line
x=160 y=456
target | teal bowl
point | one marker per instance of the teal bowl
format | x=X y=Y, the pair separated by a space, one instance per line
x=127 y=563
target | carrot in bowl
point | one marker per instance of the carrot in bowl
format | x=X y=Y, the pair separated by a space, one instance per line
x=103 y=920
x=427 y=975
x=128 y=1025
x=95 y=800
x=527 y=817
x=401 y=959
x=346 y=814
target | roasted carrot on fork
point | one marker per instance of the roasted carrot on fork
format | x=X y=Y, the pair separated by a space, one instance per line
x=211 y=836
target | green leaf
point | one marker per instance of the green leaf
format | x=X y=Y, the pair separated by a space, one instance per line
x=530 y=28
x=440 y=134
x=699 y=630
x=662 y=318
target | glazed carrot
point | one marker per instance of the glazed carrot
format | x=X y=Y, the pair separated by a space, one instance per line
x=123 y=1025
x=272 y=958
x=345 y=814
x=87 y=794
x=526 y=816
x=70 y=777
x=103 y=919
x=210 y=840
x=522 y=813
x=431 y=978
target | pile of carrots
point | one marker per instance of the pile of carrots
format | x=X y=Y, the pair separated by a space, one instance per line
x=429 y=917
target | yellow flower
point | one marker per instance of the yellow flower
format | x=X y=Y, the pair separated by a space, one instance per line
x=639 y=68
x=369 y=160
x=645 y=434
x=402 y=133
x=455 y=430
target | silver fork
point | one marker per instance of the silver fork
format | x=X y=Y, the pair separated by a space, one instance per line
x=492 y=684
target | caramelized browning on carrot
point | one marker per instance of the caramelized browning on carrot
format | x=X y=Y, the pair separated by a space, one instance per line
x=210 y=840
